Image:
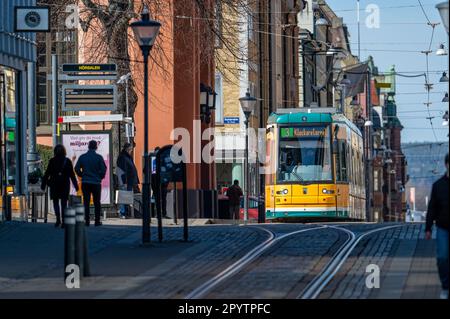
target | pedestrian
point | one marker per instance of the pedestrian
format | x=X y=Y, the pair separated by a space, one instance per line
x=164 y=191
x=162 y=188
x=129 y=179
x=92 y=169
x=437 y=214
x=234 y=194
x=57 y=177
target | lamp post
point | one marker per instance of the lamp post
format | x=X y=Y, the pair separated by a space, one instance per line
x=146 y=31
x=124 y=79
x=443 y=11
x=248 y=104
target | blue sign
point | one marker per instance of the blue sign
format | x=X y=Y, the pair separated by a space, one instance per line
x=231 y=120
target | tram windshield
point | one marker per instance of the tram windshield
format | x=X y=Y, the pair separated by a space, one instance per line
x=305 y=154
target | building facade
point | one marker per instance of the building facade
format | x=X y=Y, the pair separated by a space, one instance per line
x=16 y=50
x=266 y=65
x=180 y=63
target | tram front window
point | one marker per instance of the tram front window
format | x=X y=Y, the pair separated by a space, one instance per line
x=305 y=154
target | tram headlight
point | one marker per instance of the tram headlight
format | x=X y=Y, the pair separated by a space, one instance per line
x=283 y=192
x=327 y=191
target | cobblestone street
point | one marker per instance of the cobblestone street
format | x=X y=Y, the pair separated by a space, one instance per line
x=122 y=268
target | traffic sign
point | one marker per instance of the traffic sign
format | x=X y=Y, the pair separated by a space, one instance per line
x=89 y=97
x=78 y=68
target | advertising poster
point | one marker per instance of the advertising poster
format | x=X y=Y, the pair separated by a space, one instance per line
x=76 y=144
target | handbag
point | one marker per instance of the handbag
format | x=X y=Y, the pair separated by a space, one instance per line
x=124 y=197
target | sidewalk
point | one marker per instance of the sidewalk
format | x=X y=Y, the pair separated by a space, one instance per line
x=411 y=271
x=32 y=260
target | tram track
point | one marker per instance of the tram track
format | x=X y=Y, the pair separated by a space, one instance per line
x=316 y=286
x=250 y=257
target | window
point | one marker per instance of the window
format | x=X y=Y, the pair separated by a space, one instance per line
x=219 y=98
x=251 y=28
x=305 y=154
x=341 y=162
x=376 y=181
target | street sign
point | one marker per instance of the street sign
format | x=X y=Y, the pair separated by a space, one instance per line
x=91 y=118
x=89 y=97
x=383 y=85
x=89 y=68
x=231 y=120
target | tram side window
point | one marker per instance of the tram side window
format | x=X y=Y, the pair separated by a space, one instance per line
x=338 y=163
x=341 y=161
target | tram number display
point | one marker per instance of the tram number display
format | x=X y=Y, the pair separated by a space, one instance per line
x=287 y=132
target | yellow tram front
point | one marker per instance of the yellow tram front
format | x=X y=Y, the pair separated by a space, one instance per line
x=315 y=167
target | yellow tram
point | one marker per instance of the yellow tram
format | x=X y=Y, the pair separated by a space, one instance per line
x=314 y=167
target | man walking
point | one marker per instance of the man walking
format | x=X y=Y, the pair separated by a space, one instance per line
x=438 y=213
x=92 y=169
x=234 y=194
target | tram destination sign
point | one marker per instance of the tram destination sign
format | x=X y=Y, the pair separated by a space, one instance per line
x=89 y=68
x=89 y=97
x=289 y=132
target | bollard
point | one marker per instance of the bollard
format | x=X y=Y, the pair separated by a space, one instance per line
x=86 y=268
x=79 y=238
x=69 y=239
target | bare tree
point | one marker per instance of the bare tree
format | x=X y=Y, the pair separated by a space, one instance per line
x=108 y=39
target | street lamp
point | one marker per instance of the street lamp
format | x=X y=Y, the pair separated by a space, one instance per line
x=248 y=104
x=145 y=32
x=445 y=99
x=322 y=22
x=354 y=101
x=368 y=123
x=124 y=79
x=445 y=118
x=444 y=77
x=441 y=51
x=443 y=11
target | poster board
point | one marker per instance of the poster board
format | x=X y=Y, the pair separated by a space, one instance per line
x=76 y=144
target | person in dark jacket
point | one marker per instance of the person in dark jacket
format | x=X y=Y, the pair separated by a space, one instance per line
x=234 y=194
x=57 y=177
x=163 y=189
x=129 y=179
x=92 y=169
x=438 y=213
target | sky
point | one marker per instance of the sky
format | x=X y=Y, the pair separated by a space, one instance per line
x=403 y=32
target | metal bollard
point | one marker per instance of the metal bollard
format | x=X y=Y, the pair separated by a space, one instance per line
x=86 y=268
x=79 y=238
x=69 y=239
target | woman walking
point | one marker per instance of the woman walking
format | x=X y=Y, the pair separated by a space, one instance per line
x=57 y=177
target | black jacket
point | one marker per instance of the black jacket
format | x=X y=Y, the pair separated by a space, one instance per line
x=125 y=163
x=91 y=168
x=438 y=207
x=60 y=189
x=234 y=194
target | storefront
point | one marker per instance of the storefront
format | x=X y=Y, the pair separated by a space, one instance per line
x=16 y=50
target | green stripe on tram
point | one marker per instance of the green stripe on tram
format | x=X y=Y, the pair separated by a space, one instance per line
x=340 y=214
